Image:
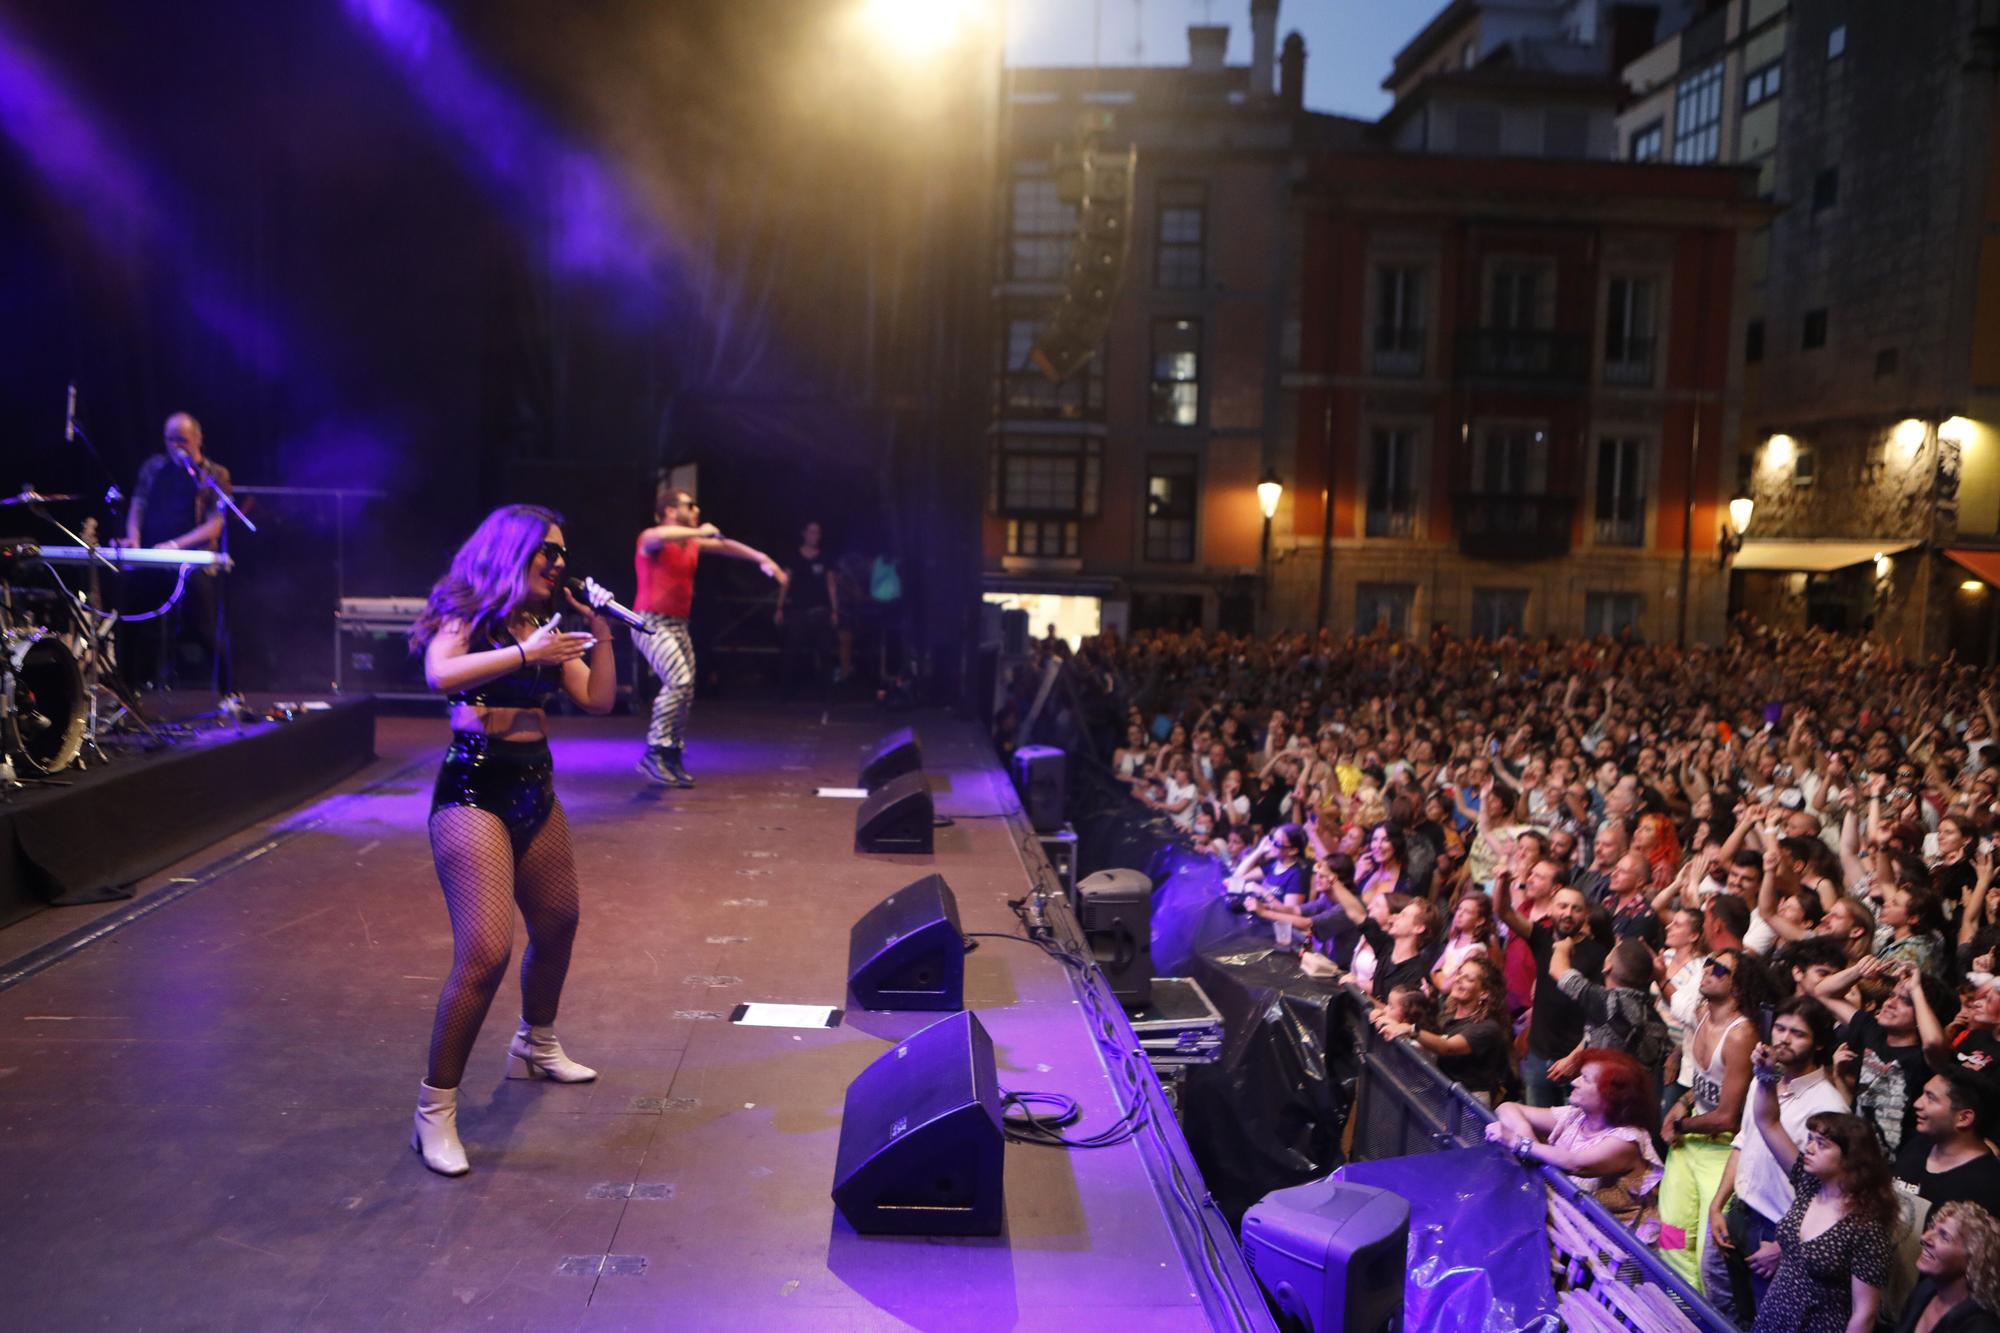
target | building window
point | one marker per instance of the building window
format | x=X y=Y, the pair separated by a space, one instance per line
x=1648 y=143
x=1170 y=507
x=1885 y=362
x=1608 y=614
x=1753 y=341
x=1510 y=460
x=1041 y=227
x=1176 y=372
x=1392 y=470
x=1698 y=117
x=1180 y=225
x=1046 y=476
x=1826 y=189
x=1630 y=320
x=1813 y=332
x=1384 y=607
x=1027 y=393
x=1399 y=320
x=1043 y=539
x=1762 y=84
x=1498 y=612
x=1836 y=41
x=1805 y=465
x=1521 y=297
x=1622 y=473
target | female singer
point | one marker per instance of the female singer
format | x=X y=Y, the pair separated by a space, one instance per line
x=492 y=641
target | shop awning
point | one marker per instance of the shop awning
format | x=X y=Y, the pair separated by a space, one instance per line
x=1815 y=557
x=1986 y=564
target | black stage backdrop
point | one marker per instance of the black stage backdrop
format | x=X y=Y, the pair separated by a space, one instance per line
x=478 y=253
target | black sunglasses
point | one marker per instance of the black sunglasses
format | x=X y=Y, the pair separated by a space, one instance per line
x=553 y=552
x=1720 y=969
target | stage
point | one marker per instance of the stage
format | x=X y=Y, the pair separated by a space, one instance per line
x=205 y=1094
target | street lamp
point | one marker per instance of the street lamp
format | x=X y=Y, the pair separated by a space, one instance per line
x=1269 y=491
x=1740 y=510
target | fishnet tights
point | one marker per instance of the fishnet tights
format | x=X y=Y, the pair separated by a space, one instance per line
x=480 y=872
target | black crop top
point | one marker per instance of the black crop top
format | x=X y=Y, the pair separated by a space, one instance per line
x=523 y=687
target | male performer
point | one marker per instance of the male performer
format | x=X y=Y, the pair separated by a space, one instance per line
x=174 y=510
x=665 y=560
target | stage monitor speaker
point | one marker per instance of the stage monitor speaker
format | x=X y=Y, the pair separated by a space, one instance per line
x=908 y=952
x=1332 y=1254
x=921 y=1138
x=899 y=753
x=896 y=817
x=1041 y=776
x=1115 y=909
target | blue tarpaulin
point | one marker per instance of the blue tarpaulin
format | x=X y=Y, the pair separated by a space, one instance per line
x=1479 y=1240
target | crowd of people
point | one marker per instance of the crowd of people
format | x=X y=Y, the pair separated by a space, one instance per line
x=1711 y=929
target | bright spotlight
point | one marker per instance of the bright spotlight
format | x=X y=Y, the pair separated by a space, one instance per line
x=1956 y=429
x=915 y=28
x=1910 y=434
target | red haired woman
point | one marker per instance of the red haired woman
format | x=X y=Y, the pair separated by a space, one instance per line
x=499 y=838
x=1602 y=1140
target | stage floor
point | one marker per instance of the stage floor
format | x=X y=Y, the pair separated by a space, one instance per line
x=205 y=1114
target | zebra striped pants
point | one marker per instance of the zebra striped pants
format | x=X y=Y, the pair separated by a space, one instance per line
x=670 y=653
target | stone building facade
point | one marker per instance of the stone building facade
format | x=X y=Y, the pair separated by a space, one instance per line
x=1873 y=373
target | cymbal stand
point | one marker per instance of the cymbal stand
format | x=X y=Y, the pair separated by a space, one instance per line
x=96 y=630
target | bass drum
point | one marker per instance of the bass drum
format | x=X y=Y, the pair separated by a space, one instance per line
x=41 y=701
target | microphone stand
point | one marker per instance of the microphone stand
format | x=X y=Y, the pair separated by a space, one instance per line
x=220 y=635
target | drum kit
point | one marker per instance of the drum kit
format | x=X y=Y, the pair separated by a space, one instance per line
x=60 y=694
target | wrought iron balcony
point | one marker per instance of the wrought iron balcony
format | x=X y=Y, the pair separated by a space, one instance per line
x=1494 y=526
x=1524 y=356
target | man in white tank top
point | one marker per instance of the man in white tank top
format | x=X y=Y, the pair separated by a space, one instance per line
x=1716 y=1067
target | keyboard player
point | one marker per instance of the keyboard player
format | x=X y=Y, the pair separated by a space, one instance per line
x=171 y=509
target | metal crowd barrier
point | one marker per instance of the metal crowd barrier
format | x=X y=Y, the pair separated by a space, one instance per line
x=1607 y=1279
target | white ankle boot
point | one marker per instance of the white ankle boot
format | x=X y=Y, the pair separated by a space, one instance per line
x=435 y=1137
x=535 y=1053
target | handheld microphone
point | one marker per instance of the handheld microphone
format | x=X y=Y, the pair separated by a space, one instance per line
x=69 y=417
x=598 y=597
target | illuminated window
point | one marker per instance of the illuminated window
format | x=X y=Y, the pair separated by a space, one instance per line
x=1648 y=143
x=1176 y=372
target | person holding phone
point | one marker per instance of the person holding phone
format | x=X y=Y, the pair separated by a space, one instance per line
x=493 y=643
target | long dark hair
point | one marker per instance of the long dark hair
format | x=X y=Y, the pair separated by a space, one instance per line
x=1865 y=1176
x=488 y=578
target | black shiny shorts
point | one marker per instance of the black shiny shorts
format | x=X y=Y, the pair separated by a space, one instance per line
x=512 y=779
